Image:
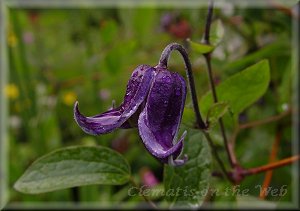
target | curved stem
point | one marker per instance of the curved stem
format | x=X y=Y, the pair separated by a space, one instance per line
x=163 y=62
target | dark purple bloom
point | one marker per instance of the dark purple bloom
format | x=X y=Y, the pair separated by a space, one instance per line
x=154 y=103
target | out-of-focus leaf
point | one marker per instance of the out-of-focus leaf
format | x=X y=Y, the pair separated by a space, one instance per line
x=187 y=185
x=253 y=202
x=278 y=48
x=74 y=166
x=200 y=47
x=215 y=113
x=216 y=32
x=285 y=88
x=143 y=27
x=242 y=89
x=109 y=31
x=114 y=58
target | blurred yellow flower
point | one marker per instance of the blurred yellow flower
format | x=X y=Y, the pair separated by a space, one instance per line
x=69 y=98
x=12 y=91
x=12 y=39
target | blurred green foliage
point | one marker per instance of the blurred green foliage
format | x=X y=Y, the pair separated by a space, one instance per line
x=57 y=56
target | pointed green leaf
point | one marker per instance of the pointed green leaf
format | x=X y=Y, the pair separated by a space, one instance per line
x=74 y=166
x=215 y=113
x=187 y=185
x=242 y=89
x=200 y=47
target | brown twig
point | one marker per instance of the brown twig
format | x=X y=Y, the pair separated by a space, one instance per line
x=272 y=159
x=265 y=121
x=257 y=123
x=270 y=166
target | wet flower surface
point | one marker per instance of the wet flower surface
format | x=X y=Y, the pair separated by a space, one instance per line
x=154 y=103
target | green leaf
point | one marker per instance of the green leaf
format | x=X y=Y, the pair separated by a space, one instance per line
x=269 y=51
x=200 y=47
x=186 y=185
x=242 y=89
x=74 y=166
x=215 y=113
x=188 y=116
x=216 y=33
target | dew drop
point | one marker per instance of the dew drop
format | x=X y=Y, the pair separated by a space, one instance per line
x=165 y=103
x=134 y=74
x=166 y=79
x=177 y=91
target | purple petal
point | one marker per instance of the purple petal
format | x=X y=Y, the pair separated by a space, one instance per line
x=160 y=120
x=137 y=89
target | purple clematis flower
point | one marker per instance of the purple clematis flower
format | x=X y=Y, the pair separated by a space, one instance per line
x=154 y=102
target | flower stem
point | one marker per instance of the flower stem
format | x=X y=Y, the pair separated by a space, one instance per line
x=270 y=166
x=228 y=145
x=208 y=21
x=163 y=62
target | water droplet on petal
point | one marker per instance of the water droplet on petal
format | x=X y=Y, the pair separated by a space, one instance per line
x=177 y=91
x=166 y=79
x=165 y=103
x=134 y=74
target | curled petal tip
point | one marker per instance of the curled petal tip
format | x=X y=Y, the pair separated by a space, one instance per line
x=137 y=90
x=183 y=135
x=76 y=110
x=177 y=162
x=76 y=107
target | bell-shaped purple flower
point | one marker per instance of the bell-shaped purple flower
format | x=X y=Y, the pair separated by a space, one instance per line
x=154 y=103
